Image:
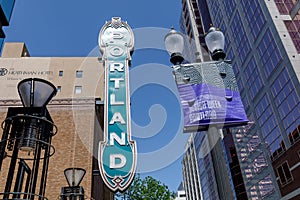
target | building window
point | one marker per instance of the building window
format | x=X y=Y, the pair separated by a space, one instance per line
x=79 y=74
x=239 y=36
x=253 y=78
x=59 y=88
x=277 y=147
x=293 y=29
x=254 y=16
x=60 y=73
x=253 y=192
x=266 y=186
x=78 y=89
x=284 y=173
x=295 y=135
x=259 y=163
x=270 y=51
x=284 y=6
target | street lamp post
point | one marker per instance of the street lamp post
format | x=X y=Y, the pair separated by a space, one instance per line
x=215 y=42
x=74 y=177
x=214 y=39
x=26 y=138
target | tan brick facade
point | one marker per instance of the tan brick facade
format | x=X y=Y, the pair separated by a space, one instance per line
x=71 y=151
x=73 y=114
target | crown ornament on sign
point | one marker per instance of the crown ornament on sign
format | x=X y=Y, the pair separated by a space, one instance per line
x=116 y=22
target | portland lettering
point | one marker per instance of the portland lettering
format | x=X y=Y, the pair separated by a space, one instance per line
x=117 y=152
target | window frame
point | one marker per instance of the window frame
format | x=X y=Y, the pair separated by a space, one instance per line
x=78 y=89
x=79 y=73
x=283 y=170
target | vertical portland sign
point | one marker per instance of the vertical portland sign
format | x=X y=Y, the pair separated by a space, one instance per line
x=117 y=153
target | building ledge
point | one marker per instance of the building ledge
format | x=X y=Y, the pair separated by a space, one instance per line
x=55 y=102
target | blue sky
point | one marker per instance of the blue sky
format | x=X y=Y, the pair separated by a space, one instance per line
x=71 y=27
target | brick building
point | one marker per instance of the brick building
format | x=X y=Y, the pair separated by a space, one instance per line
x=76 y=111
x=287 y=169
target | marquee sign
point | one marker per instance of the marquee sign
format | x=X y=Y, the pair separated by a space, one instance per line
x=117 y=153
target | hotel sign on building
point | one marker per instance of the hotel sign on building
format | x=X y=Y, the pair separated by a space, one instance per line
x=117 y=153
x=11 y=74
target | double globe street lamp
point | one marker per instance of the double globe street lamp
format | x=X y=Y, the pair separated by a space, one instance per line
x=214 y=39
x=209 y=82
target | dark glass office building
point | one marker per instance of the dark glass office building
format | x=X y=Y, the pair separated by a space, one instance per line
x=263 y=43
x=198 y=170
x=6 y=8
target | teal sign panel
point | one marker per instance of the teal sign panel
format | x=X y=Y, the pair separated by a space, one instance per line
x=117 y=153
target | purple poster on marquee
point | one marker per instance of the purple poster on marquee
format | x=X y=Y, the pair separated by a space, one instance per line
x=209 y=95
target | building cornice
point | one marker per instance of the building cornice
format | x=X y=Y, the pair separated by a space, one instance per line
x=88 y=101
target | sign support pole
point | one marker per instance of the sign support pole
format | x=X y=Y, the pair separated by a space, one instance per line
x=215 y=136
